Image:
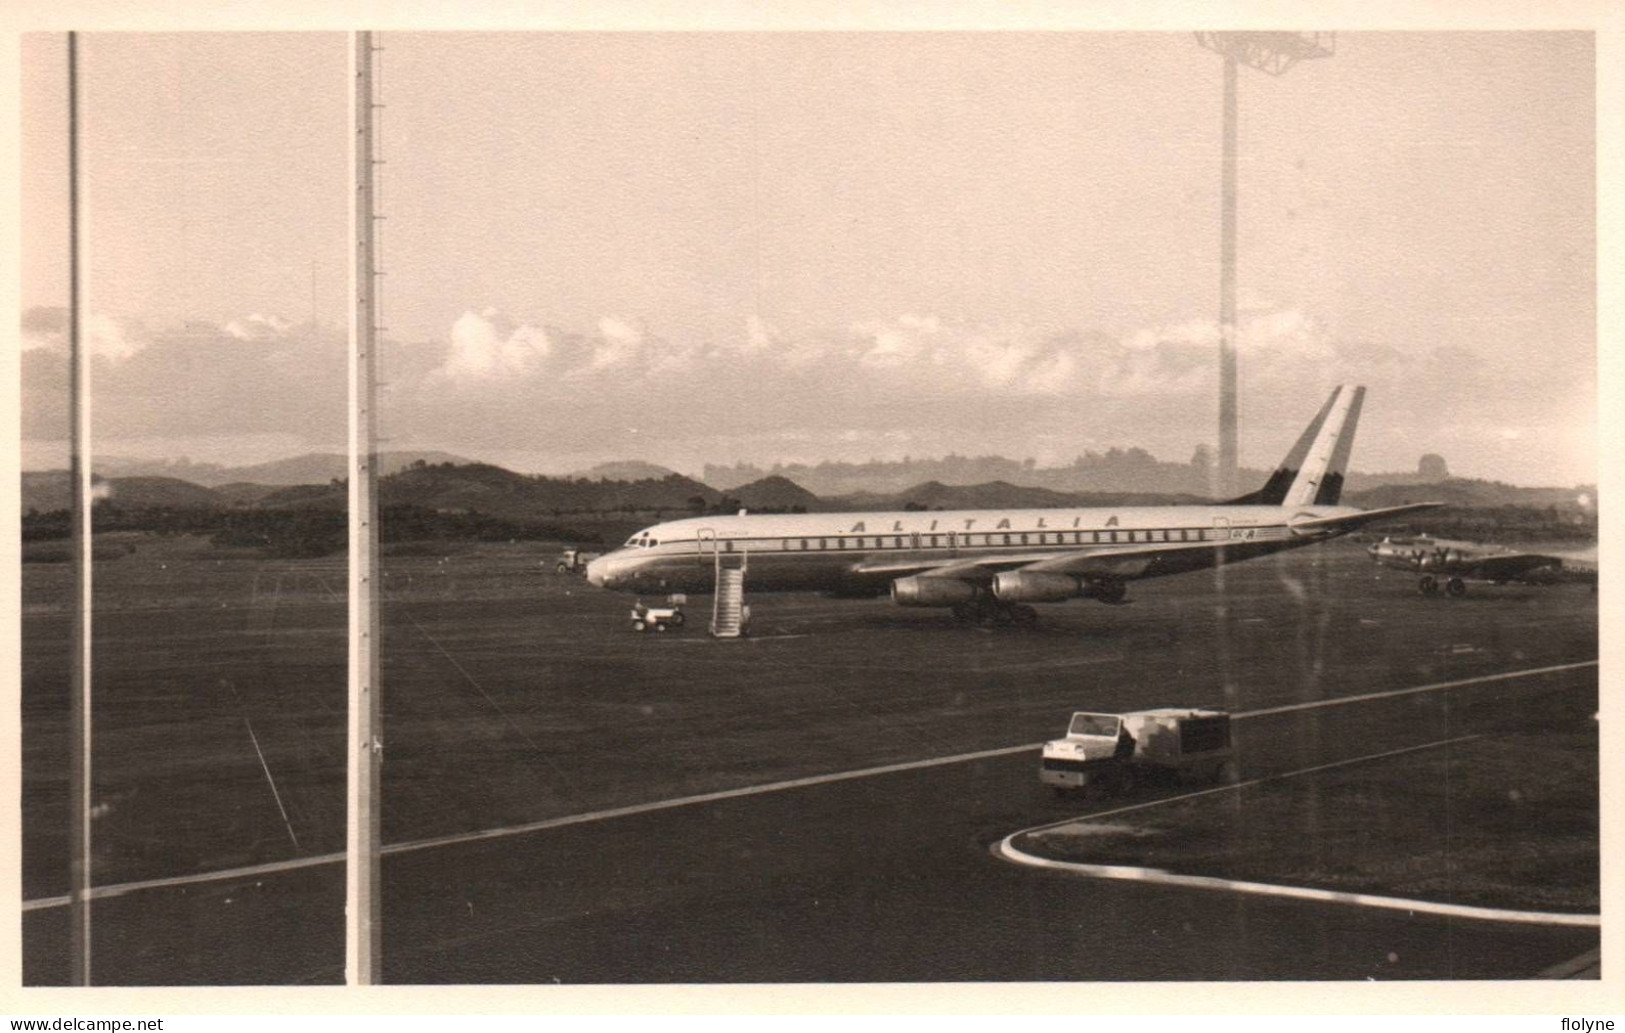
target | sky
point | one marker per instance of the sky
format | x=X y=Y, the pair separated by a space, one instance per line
x=710 y=247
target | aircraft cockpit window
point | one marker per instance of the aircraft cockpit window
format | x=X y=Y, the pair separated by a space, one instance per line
x=653 y=542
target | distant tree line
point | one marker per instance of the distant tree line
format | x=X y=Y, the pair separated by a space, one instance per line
x=305 y=532
x=1495 y=524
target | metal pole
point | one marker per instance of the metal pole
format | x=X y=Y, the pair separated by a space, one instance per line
x=362 y=916
x=1227 y=291
x=79 y=754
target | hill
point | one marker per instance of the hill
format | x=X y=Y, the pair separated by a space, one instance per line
x=495 y=491
x=310 y=468
x=1461 y=491
x=304 y=496
x=241 y=493
x=321 y=467
x=776 y=493
x=999 y=495
x=49 y=491
x=1120 y=470
x=625 y=470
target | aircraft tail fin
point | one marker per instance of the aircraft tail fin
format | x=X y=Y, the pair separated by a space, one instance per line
x=1312 y=472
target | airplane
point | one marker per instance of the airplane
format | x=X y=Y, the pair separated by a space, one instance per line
x=1451 y=564
x=987 y=566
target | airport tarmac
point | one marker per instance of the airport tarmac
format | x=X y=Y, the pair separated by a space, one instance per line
x=516 y=697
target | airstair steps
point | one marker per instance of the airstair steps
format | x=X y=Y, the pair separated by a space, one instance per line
x=728 y=610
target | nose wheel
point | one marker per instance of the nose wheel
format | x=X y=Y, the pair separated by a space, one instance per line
x=1429 y=585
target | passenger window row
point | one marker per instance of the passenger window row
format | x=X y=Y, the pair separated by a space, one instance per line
x=868 y=543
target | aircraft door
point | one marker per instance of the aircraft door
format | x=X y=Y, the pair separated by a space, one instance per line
x=706 y=539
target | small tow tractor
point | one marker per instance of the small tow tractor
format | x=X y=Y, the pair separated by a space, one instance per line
x=574 y=561
x=657 y=618
x=1113 y=753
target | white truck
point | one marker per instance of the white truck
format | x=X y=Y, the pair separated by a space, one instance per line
x=1115 y=752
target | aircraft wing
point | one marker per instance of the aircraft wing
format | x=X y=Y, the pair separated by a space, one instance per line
x=1166 y=557
x=1092 y=562
x=1131 y=563
x=1355 y=521
x=1508 y=565
x=969 y=568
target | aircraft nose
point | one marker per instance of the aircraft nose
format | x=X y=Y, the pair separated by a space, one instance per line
x=598 y=572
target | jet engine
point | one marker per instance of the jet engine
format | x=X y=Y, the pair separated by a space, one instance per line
x=1037 y=586
x=1031 y=586
x=933 y=591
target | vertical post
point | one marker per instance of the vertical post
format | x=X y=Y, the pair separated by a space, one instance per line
x=1226 y=472
x=81 y=499
x=362 y=918
x=1227 y=291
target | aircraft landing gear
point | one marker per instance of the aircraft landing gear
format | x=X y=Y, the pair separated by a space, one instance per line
x=1429 y=585
x=1111 y=592
x=990 y=613
x=1456 y=587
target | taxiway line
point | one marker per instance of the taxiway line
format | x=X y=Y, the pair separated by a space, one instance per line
x=1160 y=876
x=1436 y=687
x=267 y=769
x=506 y=719
x=292 y=864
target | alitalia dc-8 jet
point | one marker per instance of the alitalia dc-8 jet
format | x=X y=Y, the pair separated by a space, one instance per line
x=989 y=565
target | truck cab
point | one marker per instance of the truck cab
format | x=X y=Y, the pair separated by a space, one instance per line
x=1117 y=751
x=574 y=561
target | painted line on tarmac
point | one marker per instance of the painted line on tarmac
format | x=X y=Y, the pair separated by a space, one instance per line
x=293 y=864
x=1436 y=687
x=267 y=769
x=746 y=638
x=1162 y=877
x=174 y=881
x=688 y=801
x=454 y=839
x=1585 y=966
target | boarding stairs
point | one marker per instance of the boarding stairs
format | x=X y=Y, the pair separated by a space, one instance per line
x=729 y=614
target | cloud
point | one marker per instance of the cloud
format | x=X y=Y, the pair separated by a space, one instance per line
x=257 y=327
x=199 y=380
x=1266 y=332
x=917 y=382
x=890 y=345
x=487 y=344
x=760 y=336
x=46 y=328
x=619 y=343
x=932 y=354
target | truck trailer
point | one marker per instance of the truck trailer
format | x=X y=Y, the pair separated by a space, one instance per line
x=1115 y=752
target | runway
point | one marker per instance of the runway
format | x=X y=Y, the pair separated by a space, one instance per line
x=517 y=702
